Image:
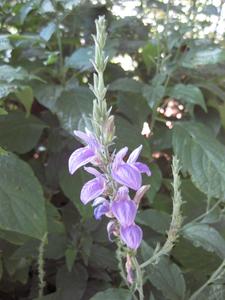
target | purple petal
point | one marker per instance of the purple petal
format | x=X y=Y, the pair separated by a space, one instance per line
x=98 y=201
x=127 y=175
x=131 y=236
x=124 y=211
x=134 y=155
x=88 y=138
x=92 y=171
x=111 y=227
x=119 y=157
x=122 y=194
x=143 y=168
x=101 y=210
x=92 y=189
x=140 y=193
x=79 y=158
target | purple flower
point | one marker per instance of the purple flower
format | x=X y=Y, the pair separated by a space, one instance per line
x=102 y=207
x=84 y=155
x=129 y=173
x=132 y=159
x=94 y=187
x=111 y=229
x=123 y=208
x=131 y=235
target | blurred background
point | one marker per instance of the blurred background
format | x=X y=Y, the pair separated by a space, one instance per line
x=165 y=77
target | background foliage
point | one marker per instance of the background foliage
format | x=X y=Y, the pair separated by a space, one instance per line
x=167 y=69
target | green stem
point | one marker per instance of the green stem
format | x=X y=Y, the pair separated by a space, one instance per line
x=59 y=43
x=41 y=272
x=176 y=218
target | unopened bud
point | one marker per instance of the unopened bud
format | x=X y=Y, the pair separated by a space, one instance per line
x=129 y=269
x=109 y=129
x=140 y=193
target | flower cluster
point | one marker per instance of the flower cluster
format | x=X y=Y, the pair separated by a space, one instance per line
x=109 y=189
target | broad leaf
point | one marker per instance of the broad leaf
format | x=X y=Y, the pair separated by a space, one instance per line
x=114 y=294
x=20 y=133
x=199 y=57
x=68 y=105
x=71 y=186
x=126 y=85
x=158 y=221
x=128 y=135
x=188 y=94
x=70 y=284
x=80 y=59
x=21 y=199
x=47 y=32
x=165 y=275
x=202 y=156
x=205 y=236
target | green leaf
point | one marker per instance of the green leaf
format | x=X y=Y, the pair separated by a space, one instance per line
x=158 y=221
x=80 y=59
x=21 y=199
x=134 y=107
x=3 y=112
x=155 y=181
x=4 y=42
x=150 y=53
x=202 y=156
x=126 y=85
x=70 y=256
x=113 y=294
x=199 y=57
x=165 y=275
x=68 y=105
x=205 y=236
x=71 y=186
x=6 y=89
x=70 y=284
x=102 y=257
x=188 y=94
x=18 y=133
x=128 y=135
x=25 y=95
x=47 y=32
x=9 y=74
x=153 y=94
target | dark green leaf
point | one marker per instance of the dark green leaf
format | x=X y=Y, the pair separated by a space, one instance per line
x=114 y=294
x=127 y=135
x=71 y=186
x=205 y=236
x=20 y=133
x=204 y=56
x=22 y=201
x=25 y=95
x=126 y=85
x=158 y=221
x=187 y=94
x=201 y=155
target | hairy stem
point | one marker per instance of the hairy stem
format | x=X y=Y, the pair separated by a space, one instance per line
x=41 y=272
x=176 y=221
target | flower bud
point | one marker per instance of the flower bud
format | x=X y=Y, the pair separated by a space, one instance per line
x=140 y=193
x=129 y=269
x=109 y=129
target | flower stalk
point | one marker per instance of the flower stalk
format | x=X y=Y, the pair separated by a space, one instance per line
x=113 y=176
